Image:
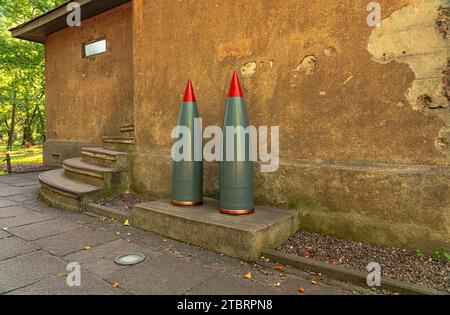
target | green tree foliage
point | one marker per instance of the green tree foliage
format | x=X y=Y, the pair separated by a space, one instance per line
x=22 y=82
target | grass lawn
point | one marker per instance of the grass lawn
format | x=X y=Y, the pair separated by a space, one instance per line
x=21 y=158
x=20 y=150
x=27 y=159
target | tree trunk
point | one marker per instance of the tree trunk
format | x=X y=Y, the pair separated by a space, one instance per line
x=41 y=126
x=13 y=125
x=27 y=138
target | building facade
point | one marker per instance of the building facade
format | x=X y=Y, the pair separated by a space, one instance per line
x=363 y=110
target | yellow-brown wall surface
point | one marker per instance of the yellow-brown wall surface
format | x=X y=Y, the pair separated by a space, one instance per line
x=349 y=106
x=87 y=98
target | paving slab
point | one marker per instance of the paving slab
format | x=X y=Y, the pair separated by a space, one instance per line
x=3 y=185
x=13 y=191
x=165 y=275
x=149 y=239
x=75 y=240
x=40 y=206
x=27 y=269
x=100 y=259
x=39 y=230
x=57 y=285
x=222 y=263
x=242 y=237
x=6 y=203
x=10 y=179
x=264 y=276
x=226 y=285
x=24 y=182
x=291 y=284
x=18 y=216
x=24 y=197
x=4 y=234
x=31 y=175
x=14 y=246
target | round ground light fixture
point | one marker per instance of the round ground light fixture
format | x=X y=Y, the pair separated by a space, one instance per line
x=129 y=259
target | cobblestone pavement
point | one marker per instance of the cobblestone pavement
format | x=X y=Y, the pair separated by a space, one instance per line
x=37 y=243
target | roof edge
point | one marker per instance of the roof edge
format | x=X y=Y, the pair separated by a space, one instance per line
x=37 y=29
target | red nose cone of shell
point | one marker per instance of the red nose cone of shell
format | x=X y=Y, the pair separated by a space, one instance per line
x=189 y=95
x=235 y=87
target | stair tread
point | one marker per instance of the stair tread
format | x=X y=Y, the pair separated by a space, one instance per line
x=118 y=138
x=56 y=179
x=101 y=150
x=80 y=164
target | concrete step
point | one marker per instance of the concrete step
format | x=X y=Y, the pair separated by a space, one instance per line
x=127 y=130
x=243 y=237
x=106 y=158
x=60 y=191
x=78 y=169
x=120 y=143
x=107 y=212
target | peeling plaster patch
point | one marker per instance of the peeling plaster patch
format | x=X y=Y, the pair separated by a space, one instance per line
x=308 y=65
x=409 y=36
x=235 y=49
x=442 y=21
x=443 y=141
x=424 y=101
x=248 y=69
x=446 y=80
x=411 y=29
x=330 y=51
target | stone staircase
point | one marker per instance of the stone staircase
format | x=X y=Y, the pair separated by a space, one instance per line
x=99 y=172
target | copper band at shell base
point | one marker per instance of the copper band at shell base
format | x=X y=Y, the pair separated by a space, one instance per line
x=186 y=203
x=237 y=212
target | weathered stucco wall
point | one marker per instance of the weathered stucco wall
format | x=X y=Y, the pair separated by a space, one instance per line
x=347 y=107
x=87 y=98
x=359 y=159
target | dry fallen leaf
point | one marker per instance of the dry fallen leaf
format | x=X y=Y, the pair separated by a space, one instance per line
x=278 y=267
x=116 y=285
x=248 y=276
x=301 y=290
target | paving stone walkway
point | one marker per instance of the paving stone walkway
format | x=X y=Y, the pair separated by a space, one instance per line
x=37 y=243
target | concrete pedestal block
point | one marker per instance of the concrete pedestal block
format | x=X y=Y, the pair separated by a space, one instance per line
x=242 y=237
